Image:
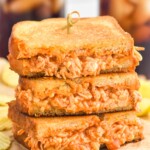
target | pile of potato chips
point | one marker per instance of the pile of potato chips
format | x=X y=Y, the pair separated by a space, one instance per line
x=9 y=79
x=4 y=141
x=5 y=123
x=7 y=76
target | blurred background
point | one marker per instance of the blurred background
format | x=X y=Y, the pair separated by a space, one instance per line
x=132 y=15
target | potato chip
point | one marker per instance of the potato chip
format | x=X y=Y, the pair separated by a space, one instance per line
x=3 y=61
x=4 y=141
x=5 y=124
x=144 y=107
x=4 y=99
x=3 y=111
x=145 y=88
x=9 y=77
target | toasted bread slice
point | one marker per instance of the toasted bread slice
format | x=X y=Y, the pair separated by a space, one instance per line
x=105 y=93
x=65 y=133
x=102 y=35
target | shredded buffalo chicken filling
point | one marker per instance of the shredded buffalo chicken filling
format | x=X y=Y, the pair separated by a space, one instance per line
x=120 y=132
x=113 y=135
x=76 y=66
x=88 y=101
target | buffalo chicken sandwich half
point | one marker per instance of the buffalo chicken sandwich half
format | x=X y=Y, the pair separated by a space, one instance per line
x=49 y=96
x=76 y=132
x=95 y=45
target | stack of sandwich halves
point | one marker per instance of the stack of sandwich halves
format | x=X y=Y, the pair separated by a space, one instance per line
x=76 y=91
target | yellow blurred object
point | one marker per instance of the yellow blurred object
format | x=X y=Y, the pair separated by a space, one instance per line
x=145 y=92
x=5 y=124
x=3 y=111
x=4 y=141
x=9 y=77
x=144 y=107
x=4 y=99
x=145 y=88
x=3 y=62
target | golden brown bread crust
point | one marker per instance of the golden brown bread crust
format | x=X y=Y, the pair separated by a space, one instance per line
x=122 y=80
x=101 y=35
x=20 y=138
x=32 y=109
